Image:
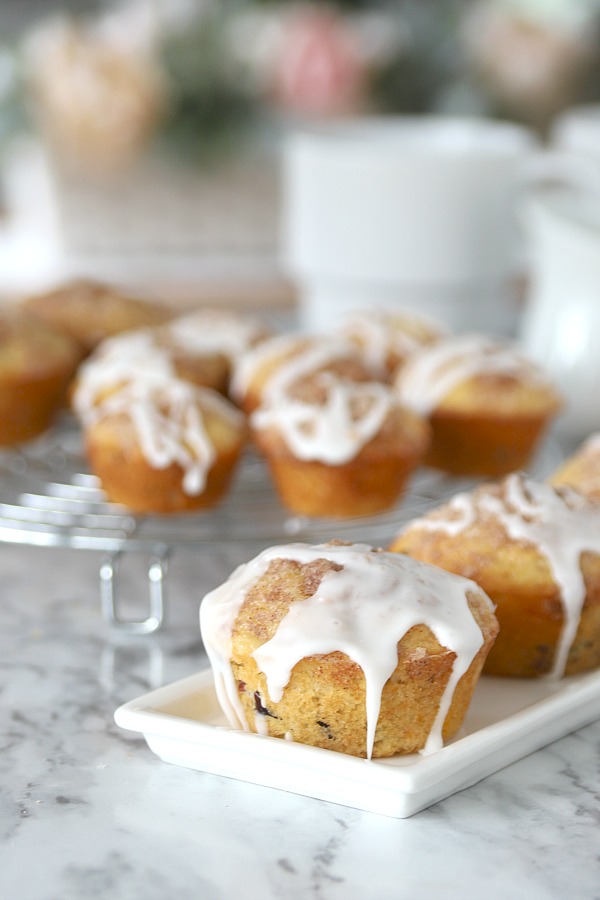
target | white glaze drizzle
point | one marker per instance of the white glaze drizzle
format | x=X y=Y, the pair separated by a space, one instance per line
x=215 y=331
x=304 y=356
x=310 y=360
x=362 y=610
x=432 y=372
x=166 y=412
x=125 y=357
x=169 y=425
x=559 y=523
x=334 y=431
x=247 y=365
x=461 y=514
x=260 y=724
x=381 y=333
x=592 y=443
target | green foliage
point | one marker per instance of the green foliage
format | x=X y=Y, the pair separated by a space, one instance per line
x=430 y=59
x=210 y=103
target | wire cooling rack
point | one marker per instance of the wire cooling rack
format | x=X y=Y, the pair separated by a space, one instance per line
x=49 y=498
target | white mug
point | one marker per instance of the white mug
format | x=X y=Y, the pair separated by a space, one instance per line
x=411 y=212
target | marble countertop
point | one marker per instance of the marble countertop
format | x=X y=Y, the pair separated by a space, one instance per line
x=88 y=811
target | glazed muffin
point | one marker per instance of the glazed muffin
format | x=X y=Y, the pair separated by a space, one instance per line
x=347 y=648
x=36 y=365
x=161 y=445
x=222 y=333
x=204 y=344
x=339 y=448
x=274 y=365
x=581 y=471
x=90 y=311
x=387 y=339
x=136 y=354
x=204 y=366
x=535 y=550
x=488 y=406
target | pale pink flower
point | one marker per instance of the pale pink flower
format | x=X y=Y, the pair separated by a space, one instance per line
x=318 y=68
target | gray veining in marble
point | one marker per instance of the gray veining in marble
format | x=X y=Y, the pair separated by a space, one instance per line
x=87 y=811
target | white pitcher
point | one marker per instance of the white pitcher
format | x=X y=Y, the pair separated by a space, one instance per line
x=561 y=323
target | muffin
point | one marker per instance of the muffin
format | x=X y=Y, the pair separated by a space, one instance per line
x=270 y=368
x=581 y=471
x=488 y=406
x=347 y=648
x=137 y=354
x=222 y=333
x=90 y=311
x=203 y=366
x=36 y=364
x=339 y=448
x=162 y=445
x=535 y=550
x=387 y=339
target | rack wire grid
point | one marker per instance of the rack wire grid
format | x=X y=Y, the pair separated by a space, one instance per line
x=48 y=497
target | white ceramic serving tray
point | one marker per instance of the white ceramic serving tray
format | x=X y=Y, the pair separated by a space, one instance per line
x=183 y=724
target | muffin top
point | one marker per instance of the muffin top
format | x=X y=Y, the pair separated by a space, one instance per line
x=475 y=373
x=331 y=419
x=581 y=471
x=133 y=356
x=522 y=535
x=387 y=339
x=90 y=311
x=211 y=330
x=271 y=368
x=297 y=601
x=171 y=422
x=31 y=349
x=148 y=354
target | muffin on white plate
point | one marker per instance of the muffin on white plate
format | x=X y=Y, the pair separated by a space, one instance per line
x=535 y=550
x=347 y=648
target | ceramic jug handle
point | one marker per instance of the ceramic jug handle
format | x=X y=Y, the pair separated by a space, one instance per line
x=554 y=168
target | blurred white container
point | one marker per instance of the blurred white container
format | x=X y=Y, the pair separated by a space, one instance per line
x=577 y=130
x=405 y=212
x=561 y=324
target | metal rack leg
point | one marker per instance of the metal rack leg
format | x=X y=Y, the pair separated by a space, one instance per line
x=157 y=571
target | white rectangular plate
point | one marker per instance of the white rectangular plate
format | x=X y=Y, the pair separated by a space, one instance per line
x=183 y=724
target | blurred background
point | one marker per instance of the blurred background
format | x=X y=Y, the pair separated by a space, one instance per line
x=140 y=140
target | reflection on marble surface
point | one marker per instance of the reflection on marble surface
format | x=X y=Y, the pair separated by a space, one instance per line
x=87 y=811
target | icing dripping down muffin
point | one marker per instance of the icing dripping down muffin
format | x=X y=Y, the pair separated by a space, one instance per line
x=535 y=550
x=347 y=648
x=162 y=445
